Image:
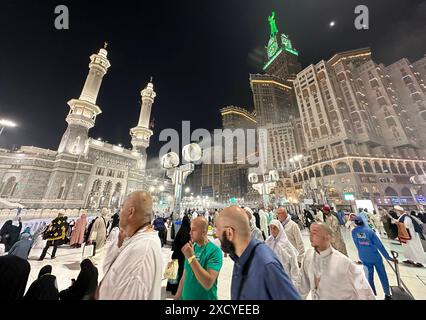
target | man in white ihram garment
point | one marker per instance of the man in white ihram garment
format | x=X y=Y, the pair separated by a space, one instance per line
x=412 y=248
x=264 y=222
x=292 y=231
x=134 y=266
x=328 y=274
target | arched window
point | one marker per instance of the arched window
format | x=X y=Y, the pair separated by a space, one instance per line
x=419 y=169
x=393 y=167
x=365 y=191
x=118 y=187
x=367 y=166
x=107 y=188
x=401 y=168
x=305 y=176
x=390 y=192
x=96 y=187
x=311 y=173
x=405 y=192
x=410 y=169
x=295 y=179
x=61 y=192
x=116 y=197
x=317 y=173
x=357 y=167
x=377 y=167
x=299 y=177
x=385 y=168
x=15 y=187
x=327 y=170
x=342 y=167
x=8 y=186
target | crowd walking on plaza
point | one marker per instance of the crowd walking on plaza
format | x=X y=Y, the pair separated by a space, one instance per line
x=271 y=261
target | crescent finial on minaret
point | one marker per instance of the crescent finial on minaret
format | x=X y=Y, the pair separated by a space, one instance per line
x=105 y=45
x=151 y=79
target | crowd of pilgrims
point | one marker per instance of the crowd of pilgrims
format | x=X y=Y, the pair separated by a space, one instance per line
x=265 y=244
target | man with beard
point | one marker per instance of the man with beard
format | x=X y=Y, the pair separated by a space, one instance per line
x=257 y=274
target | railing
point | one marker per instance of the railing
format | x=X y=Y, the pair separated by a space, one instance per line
x=34 y=214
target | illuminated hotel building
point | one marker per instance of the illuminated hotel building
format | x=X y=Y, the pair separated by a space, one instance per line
x=361 y=124
x=274 y=99
x=230 y=180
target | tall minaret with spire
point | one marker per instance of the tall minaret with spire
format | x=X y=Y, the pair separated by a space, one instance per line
x=83 y=111
x=142 y=133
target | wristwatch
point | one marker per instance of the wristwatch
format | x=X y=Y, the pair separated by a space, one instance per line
x=190 y=259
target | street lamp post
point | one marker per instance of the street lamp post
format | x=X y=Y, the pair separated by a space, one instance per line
x=4 y=123
x=264 y=187
x=297 y=159
x=170 y=162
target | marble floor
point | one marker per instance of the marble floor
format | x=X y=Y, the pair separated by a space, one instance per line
x=66 y=267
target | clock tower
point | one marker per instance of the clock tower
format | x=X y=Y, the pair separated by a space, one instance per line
x=282 y=57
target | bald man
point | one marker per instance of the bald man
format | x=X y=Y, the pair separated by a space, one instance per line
x=293 y=233
x=328 y=274
x=202 y=265
x=134 y=264
x=257 y=274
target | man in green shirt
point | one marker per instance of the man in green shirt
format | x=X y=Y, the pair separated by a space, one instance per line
x=202 y=265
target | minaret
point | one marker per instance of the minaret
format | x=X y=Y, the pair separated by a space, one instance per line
x=83 y=111
x=142 y=132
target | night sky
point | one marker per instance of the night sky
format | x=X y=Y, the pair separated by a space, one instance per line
x=199 y=52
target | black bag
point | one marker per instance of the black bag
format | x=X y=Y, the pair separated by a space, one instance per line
x=399 y=292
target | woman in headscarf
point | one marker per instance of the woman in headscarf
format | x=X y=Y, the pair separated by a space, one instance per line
x=84 y=287
x=182 y=238
x=77 y=235
x=45 y=287
x=14 y=273
x=285 y=251
x=22 y=248
x=9 y=233
x=27 y=230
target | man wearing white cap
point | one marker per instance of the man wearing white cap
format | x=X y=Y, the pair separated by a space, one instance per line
x=411 y=244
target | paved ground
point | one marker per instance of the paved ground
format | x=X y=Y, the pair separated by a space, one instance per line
x=66 y=267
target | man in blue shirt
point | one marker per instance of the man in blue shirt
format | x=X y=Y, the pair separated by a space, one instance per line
x=369 y=246
x=257 y=274
x=341 y=217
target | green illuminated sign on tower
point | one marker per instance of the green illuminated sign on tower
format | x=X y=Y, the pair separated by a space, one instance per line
x=287 y=45
x=275 y=47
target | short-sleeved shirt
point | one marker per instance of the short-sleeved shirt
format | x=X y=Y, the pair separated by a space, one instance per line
x=210 y=258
